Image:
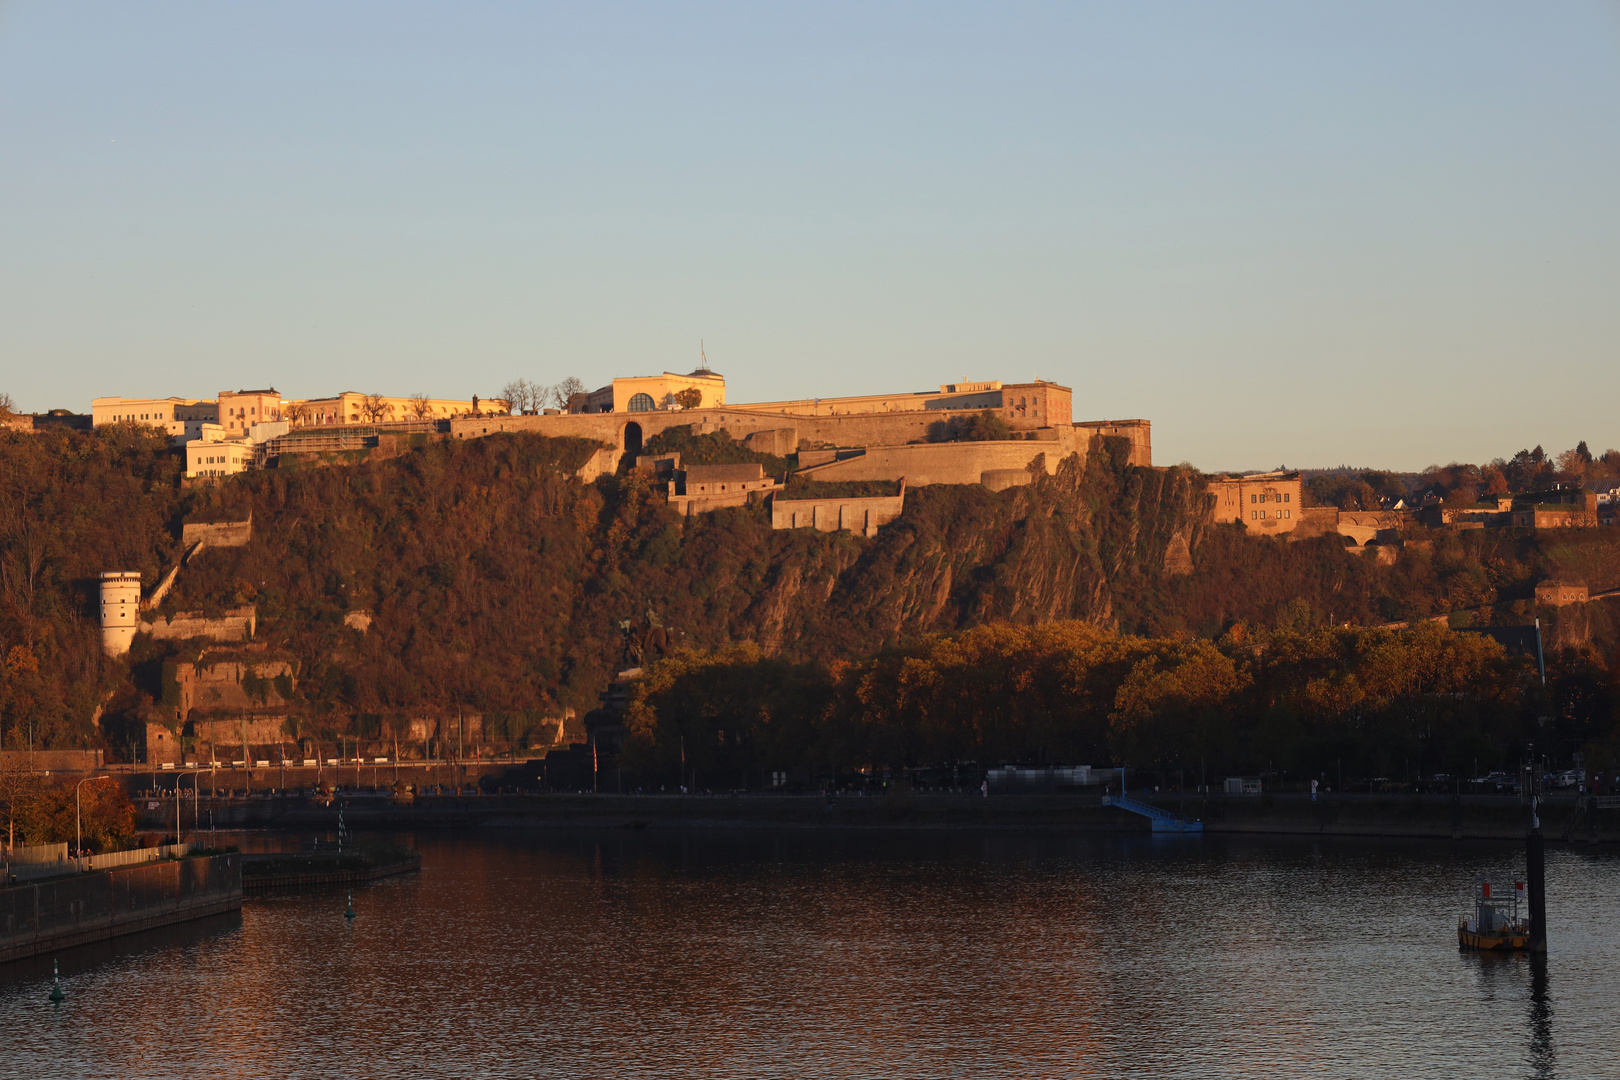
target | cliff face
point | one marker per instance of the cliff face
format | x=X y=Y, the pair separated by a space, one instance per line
x=1078 y=545
x=497 y=581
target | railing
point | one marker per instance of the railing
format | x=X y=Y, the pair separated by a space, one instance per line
x=135 y=855
x=1125 y=802
x=54 y=867
x=1163 y=820
x=34 y=854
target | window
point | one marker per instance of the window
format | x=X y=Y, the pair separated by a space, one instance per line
x=1254 y=498
x=641 y=403
x=1288 y=513
x=1262 y=515
x=1254 y=515
x=1287 y=497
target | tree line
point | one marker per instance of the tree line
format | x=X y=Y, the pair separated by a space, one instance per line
x=1299 y=703
x=1460 y=484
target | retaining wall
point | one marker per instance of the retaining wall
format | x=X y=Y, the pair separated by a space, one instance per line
x=941 y=463
x=219 y=533
x=861 y=515
x=237 y=624
x=81 y=908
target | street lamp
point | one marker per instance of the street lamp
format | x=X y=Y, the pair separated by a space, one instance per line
x=78 y=826
x=179 y=837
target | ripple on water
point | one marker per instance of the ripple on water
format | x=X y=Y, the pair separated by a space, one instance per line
x=721 y=954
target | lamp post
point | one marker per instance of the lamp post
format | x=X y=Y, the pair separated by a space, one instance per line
x=78 y=826
x=179 y=836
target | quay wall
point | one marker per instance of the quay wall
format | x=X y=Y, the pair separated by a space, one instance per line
x=78 y=909
x=1415 y=817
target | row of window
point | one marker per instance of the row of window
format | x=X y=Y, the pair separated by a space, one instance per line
x=1272 y=497
x=1259 y=515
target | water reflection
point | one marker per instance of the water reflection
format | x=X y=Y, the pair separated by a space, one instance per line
x=840 y=954
x=1542 y=1059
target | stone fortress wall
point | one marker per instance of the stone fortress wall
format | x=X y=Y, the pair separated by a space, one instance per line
x=768 y=433
x=217 y=533
x=923 y=464
x=862 y=515
x=233 y=624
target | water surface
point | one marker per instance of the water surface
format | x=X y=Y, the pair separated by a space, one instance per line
x=748 y=954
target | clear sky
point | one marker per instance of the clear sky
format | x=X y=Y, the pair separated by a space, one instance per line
x=1287 y=233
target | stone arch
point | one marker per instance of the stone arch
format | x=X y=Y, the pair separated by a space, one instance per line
x=630 y=438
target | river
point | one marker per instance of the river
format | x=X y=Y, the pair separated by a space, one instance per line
x=854 y=954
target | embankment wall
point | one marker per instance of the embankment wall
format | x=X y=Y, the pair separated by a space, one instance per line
x=77 y=909
x=1415 y=817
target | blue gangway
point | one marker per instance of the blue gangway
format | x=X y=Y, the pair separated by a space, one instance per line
x=1165 y=821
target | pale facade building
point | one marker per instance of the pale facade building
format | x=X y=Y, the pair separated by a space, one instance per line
x=239 y=410
x=216 y=454
x=351 y=407
x=170 y=415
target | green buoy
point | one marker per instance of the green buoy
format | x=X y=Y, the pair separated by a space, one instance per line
x=349 y=914
x=56 y=983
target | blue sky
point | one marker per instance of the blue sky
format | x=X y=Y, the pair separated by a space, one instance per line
x=1302 y=234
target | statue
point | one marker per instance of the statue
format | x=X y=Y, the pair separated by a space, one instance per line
x=646 y=642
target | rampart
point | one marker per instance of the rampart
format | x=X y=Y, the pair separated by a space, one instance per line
x=231 y=684
x=861 y=515
x=77 y=909
x=235 y=624
x=922 y=464
x=1139 y=433
x=780 y=433
x=218 y=533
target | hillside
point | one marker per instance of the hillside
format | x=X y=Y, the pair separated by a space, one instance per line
x=496 y=581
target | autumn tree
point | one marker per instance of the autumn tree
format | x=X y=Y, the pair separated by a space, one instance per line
x=373 y=407
x=420 y=407
x=689 y=398
x=561 y=395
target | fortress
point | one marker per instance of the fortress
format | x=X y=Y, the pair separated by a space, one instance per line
x=871 y=437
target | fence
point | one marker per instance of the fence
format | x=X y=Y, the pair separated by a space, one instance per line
x=28 y=855
x=49 y=860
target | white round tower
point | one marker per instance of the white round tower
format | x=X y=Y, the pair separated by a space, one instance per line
x=120 y=609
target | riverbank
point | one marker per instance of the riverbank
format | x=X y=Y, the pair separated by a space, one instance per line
x=301 y=869
x=78 y=909
x=1495 y=817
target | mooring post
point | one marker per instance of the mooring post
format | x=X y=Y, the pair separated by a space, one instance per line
x=1535 y=858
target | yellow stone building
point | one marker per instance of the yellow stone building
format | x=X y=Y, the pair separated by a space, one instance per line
x=170 y=414
x=1261 y=502
x=651 y=393
x=350 y=407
